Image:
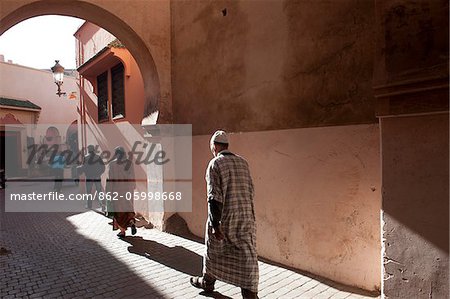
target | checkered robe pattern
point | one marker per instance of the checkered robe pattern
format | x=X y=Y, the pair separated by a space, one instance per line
x=233 y=260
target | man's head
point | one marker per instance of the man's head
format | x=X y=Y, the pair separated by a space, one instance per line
x=119 y=152
x=218 y=142
x=91 y=149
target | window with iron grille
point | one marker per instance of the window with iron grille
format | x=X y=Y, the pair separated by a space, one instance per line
x=102 y=96
x=118 y=91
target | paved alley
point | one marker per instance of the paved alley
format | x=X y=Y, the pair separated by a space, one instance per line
x=61 y=255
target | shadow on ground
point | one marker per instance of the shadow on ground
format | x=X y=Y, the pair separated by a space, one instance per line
x=177 y=257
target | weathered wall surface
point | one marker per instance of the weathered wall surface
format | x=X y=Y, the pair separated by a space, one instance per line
x=412 y=40
x=317 y=198
x=272 y=66
x=411 y=61
x=411 y=87
x=416 y=209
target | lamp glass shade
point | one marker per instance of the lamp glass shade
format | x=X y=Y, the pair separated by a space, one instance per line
x=59 y=77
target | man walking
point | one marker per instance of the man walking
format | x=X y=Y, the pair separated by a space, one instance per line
x=93 y=168
x=230 y=229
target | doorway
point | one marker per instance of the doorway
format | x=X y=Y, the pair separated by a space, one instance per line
x=10 y=145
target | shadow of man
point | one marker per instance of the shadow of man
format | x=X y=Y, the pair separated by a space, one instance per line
x=177 y=257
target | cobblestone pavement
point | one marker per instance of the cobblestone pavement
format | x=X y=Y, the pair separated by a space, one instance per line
x=61 y=255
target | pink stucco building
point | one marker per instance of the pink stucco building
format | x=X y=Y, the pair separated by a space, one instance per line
x=29 y=105
x=111 y=93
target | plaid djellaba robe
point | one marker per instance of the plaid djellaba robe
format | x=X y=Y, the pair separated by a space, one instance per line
x=233 y=260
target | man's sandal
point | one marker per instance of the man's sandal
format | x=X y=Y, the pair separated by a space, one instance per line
x=200 y=283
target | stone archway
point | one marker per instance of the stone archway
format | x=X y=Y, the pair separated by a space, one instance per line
x=150 y=46
x=146 y=35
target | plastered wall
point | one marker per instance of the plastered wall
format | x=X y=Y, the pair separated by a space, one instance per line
x=252 y=65
x=416 y=206
x=24 y=83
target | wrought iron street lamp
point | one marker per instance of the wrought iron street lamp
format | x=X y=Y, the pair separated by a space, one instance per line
x=58 y=76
